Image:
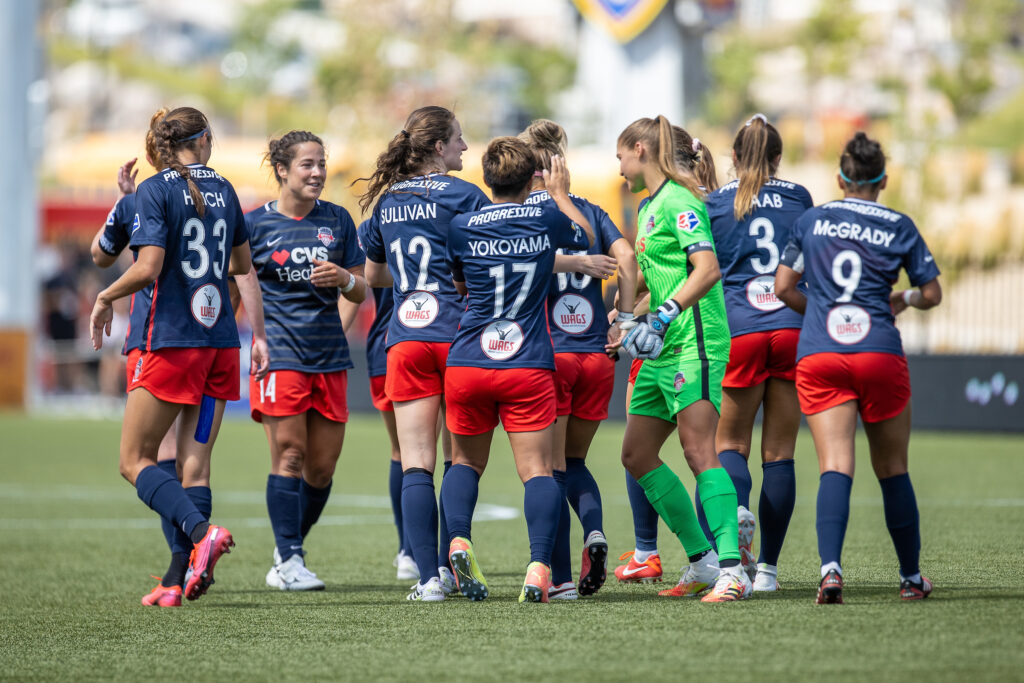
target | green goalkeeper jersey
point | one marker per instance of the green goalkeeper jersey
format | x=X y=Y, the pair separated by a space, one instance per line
x=672 y=225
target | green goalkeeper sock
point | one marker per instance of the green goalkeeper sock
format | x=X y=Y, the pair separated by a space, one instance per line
x=669 y=497
x=718 y=496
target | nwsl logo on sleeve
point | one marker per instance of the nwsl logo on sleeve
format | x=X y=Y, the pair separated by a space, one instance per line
x=325 y=235
x=687 y=221
x=135 y=225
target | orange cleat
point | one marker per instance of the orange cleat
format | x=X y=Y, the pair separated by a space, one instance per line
x=215 y=543
x=648 y=571
x=830 y=590
x=538 y=581
x=162 y=596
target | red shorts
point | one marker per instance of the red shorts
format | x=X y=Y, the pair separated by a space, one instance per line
x=583 y=384
x=634 y=369
x=879 y=382
x=524 y=399
x=755 y=357
x=131 y=360
x=283 y=393
x=380 y=397
x=416 y=370
x=185 y=375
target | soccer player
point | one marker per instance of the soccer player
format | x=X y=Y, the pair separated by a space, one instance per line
x=850 y=357
x=584 y=373
x=644 y=562
x=187 y=225
x=413 y=200
x=685 y=346
x=502 y=361
x=305 y=253
x=750 y=221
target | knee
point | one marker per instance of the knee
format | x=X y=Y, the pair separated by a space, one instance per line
x=318 y=476
x=700 y=459
x=290 y=461
x=631 y=460
x=884 y=470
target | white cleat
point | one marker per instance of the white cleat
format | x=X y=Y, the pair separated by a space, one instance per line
x=767 y=579
x=697 y=577
x=448 y=584
x=747 y=525
x=294 y=576
x=563 y=591
x=432 y=591
x=407 y=569
x=273 y=578
x=733 y=585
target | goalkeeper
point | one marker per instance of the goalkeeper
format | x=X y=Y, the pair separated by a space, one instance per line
x=685 y=347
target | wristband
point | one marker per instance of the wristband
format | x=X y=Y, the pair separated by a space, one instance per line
x=664 y=316
x=625 y=321
x=351 y=283
x=907 y=293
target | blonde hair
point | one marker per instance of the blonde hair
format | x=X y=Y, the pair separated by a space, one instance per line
x=657 y=136
x=756 y=147
x=546 y=139
x=694 y=155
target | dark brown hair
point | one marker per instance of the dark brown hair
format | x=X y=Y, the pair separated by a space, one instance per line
x=657 y=135
x=694 y=155
x=179 y=129
x=862 y=162
x=545 y=139
x=757 y=146
x=409 y=151
x=508 y=166
x=282 y=150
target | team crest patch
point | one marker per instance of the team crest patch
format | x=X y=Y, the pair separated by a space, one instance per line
x=650 y=224
x=325 y=235
x=679 y=381
x=687 y=221
x=138 y=371
x=135 y=225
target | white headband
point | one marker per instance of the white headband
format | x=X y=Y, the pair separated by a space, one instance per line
x=695 y=145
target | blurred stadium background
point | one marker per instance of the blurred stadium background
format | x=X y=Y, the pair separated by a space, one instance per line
x=940 y=82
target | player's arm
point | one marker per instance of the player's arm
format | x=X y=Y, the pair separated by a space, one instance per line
x=594 y=265
x=241 y=259
x=928 y=295
x=557 y=182
x=252 y=300
x=139 y=275
x=349 y=281
x=377 y=274
x=787 y=277
x=100 y=257
x=460 y=287
x=347 y=311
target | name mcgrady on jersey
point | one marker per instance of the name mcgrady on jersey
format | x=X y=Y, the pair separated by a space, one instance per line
x=855 y=231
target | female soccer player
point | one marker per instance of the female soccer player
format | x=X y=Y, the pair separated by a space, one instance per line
x=413 y=200
x=750 y=220
x=644 y=562
x=850 y=357
x=584 y=373
x=502 y=361
x=187 y=223
x=306 y=256
x=685 y=345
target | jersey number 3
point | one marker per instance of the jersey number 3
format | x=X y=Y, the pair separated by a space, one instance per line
x=195 y=232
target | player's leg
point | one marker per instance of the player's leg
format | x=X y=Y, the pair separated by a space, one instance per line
x=325 y=430
x=459 y=490
x=644 y=563
x=403 y=562
x=416 y=422
x=779 y=430
x=167 y=460
x=444 y=569
x=542 y=501
x=288 y=438
x=562 y=586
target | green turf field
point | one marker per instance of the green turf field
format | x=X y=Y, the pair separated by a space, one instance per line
x=77 y=549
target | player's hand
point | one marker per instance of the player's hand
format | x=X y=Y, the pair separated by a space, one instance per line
x=327 y=274
x=260 y=364
x=621 y=324
x=647 y=339
x=597 y=265
x=126 y=178
x=898 y=303
x=557 y=179
x=99 y=321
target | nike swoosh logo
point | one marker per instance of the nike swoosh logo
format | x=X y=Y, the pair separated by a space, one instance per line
x=630 y=572
x=928 y=259
x=271 y=243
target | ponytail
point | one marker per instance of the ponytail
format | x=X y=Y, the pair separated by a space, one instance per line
x=657 y=136
x=178 y=129
x=694 y=156
x=756 y=147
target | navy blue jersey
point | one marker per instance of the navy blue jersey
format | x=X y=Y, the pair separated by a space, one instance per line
x=749 y=252
x=505 y=253
x=377 y=335
x=409 y=231
x=303 y=326
x=117 y=232
x=851 y=252
x=576 y=313
x=190 y=306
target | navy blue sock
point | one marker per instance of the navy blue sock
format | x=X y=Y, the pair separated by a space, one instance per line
x=443 y=538
x=459 y=490
x=583 y=494
x=419 y=513
x=702 y=519
x=285 y=514
x=171 y=467
x=561 y=552
x=833 y=515
x=395 y=489
x=736 y=465
x=164 y=494
x=311 y=503
x=645 y=517
x=541 y=502
x=903 y=521
x=203 y=500
x=775 y=508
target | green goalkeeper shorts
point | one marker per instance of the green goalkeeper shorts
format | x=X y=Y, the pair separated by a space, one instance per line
x=666 y=391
